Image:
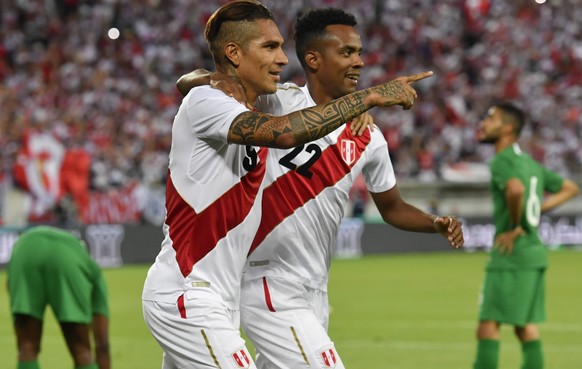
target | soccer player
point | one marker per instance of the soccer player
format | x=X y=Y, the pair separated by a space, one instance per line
x=284 y=306
x=191 y=293
x=49 y=266
x=513 y=290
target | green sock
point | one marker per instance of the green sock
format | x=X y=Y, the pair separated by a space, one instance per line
x=487 y=354
x=90 y=366
x=533 y=357
x=28 y=365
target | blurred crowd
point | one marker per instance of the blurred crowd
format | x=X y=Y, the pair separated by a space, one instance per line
x=111 y=101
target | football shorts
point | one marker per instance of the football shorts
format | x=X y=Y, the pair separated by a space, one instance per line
x=197 y=333
x=513 y=297
x=287 y=323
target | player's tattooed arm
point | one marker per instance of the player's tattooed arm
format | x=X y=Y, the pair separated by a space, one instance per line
x=299 y=127
x=253 y=128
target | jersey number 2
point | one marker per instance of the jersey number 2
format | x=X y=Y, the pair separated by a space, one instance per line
x=303 y=169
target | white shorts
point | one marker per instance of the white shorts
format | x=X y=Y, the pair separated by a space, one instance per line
x=287 y=323
x=197 y=333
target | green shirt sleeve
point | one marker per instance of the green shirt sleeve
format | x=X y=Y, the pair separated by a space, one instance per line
x=552 y=181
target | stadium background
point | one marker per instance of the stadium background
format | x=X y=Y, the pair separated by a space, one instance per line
x=85 y=119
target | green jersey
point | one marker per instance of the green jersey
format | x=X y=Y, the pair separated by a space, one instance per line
x=528 y=250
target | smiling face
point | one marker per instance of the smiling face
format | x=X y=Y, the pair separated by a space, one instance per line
x=262 y=60
x=339 y=60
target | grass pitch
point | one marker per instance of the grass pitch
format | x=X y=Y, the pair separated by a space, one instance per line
x=397 y=311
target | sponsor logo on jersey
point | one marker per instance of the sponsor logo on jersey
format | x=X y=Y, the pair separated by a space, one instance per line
x=241 y=358
x=329 y=358
x=348 y=148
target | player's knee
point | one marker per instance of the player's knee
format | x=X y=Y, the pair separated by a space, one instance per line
x=529 y=332
x=487 y=330
x=28 y=351
x=82 y=357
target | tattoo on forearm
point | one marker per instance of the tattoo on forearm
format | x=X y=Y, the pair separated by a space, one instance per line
x=246 y=129
x=306 y=125
x=311 y=124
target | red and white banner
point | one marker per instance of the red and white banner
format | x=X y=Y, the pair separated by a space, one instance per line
x=117 y=206
x=37 y=170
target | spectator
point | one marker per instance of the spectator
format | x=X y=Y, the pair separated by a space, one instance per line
x=122 y=92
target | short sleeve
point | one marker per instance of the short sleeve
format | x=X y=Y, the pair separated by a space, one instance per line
x=210 y=112
x=378 y=171
x=552 y=181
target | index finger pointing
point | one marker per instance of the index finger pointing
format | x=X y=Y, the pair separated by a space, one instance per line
x=418 y=76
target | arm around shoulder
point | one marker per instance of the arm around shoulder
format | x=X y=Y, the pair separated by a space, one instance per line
x=193 y=79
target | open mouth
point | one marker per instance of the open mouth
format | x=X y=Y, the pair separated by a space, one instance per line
x=276 y=75
x=353 y=77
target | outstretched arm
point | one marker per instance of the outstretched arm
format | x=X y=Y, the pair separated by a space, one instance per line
x=400 y=214
x=100 y=327
x=231 y=87
x=254 y=128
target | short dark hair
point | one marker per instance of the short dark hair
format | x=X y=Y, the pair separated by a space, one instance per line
x=310 y=26
x=511 y=114
x=221 y=28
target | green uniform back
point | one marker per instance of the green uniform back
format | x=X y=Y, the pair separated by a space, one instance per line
x=51 y=266
x=529 y=251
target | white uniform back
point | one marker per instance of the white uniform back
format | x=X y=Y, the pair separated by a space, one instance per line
x=284 y=306
x=211 y=191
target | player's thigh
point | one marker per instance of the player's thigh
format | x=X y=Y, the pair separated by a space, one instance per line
x=278 y=318
x=77 y=337
x=28 y=333
x=26 y=287
x=513 y=296
x=536 y=281
x=204 y=337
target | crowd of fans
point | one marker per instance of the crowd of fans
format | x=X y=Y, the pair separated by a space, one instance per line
x=115 y=98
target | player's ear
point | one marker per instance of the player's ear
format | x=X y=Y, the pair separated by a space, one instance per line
x=508 y=128
x=232 y=52
x=312 y=60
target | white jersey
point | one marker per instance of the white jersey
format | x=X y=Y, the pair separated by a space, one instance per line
x=306 y=189
x=210 y=192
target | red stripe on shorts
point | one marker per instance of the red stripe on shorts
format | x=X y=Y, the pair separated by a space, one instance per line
x=268 y=295
x=181 y=307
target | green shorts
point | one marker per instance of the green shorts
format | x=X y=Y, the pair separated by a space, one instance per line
x=513 y=297
x=66 y=289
